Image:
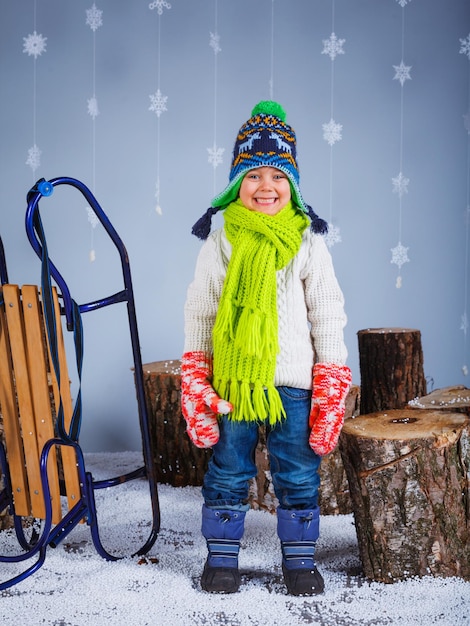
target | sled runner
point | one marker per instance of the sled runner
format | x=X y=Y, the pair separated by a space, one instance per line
x=45 y=485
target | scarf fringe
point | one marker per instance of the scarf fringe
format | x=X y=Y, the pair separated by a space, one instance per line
x=252 y=403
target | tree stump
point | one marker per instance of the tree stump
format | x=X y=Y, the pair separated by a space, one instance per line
x=179 y=463
x=456 y=398
x=408 y=474
x=391 y=367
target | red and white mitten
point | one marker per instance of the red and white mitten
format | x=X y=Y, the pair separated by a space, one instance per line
x=200 y=404
x=331 y=384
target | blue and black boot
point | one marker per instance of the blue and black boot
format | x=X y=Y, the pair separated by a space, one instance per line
x=222 y=530
x=298 y=531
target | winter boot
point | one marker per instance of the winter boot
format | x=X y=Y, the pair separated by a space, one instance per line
x=298 y=532
x=223 y=530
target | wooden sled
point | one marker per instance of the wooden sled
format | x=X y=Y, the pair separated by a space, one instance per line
x=45 y=484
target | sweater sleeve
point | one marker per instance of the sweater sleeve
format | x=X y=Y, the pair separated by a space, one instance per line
x=203 y=296
x=325 y=304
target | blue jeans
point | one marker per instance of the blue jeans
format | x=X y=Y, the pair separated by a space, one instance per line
x=294 y=465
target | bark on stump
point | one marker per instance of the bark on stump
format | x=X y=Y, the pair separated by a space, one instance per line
x=391 y=367
x=179 y=463
x=408 y=474
x=455 y=398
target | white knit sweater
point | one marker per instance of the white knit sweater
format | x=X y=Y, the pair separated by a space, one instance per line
x=309 y=301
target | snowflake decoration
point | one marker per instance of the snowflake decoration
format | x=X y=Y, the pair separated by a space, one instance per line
x=333 y=46
x=215 y=155
x=464 y=324
x=332 y=236
x=403 y=3
x=34 y=158
x=34 y=45
x=159 y=5
x=92 y=217
x=93 y=107
x=400 y=184
x=214 y=43
x=399 y=255
x=465 y=46
x=332 y=132
x=94 y=18
x=158 y=103
x=402 y=73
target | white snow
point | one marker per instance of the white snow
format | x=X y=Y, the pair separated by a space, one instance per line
x=76 y=587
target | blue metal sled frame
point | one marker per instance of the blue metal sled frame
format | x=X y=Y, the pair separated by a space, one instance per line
x=35 y=545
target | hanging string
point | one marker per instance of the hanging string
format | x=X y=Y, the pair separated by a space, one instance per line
x=332 y=131
x=465 y=49
x=158 y=100
x=94 y=19
x=271 y=79
x=34 y=45
x=400 y=182
x=215 y=153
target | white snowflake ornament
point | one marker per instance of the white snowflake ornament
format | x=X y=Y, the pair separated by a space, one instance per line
x=400 y=184
x=159 y=5
x=332 y=132
x=399 y=255
x=92 y=106
x=215 y=43
x=215 y=155
x=402 y=73
x=34 y=45
x=333 y=46
x=465 y=46
x=94 y=18
x=333 y=236
x=34 y=157
x=158 y=103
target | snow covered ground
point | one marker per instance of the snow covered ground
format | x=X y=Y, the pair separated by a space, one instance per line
x=76 y=587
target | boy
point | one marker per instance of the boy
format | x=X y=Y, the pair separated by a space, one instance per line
x=264 y=321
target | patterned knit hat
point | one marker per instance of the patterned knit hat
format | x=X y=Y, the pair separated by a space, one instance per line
x=265 y=140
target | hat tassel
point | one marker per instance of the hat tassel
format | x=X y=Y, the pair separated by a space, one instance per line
x=202 y=227
x=318 y=225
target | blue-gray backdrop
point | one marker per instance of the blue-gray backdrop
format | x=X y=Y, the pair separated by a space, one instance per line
x=212 y=60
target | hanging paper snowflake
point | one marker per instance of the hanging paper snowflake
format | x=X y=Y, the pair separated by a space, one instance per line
x=94 y=18
x=158 y=103
x=332 y=236
x=159 y=5
x=34 y=44
x=34 y=158
x=403 y=3
x=215 y=155
x=214 y=43
x=92 y=217
x=400 y=184
x=399 y=255
x=93 y=107
x=332 y=132
x=402 y=73
x=465 y=46
x=333 y=46
x=464 y=324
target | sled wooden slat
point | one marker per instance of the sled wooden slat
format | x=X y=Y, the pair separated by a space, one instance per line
x=29 y=396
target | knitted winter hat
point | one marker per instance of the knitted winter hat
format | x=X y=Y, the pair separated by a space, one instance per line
x=264 y=140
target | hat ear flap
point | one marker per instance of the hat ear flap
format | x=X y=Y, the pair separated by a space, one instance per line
x=318 y=226
x=202 y=227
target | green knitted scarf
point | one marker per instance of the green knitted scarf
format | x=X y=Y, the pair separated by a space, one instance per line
x=245 y=334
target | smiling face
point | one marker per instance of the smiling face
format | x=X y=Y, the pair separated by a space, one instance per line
x=265 y=189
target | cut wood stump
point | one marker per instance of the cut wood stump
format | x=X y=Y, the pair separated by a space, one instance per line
x=391 y=368
x=179 y=463
x=456 y=398
x=408 y=474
